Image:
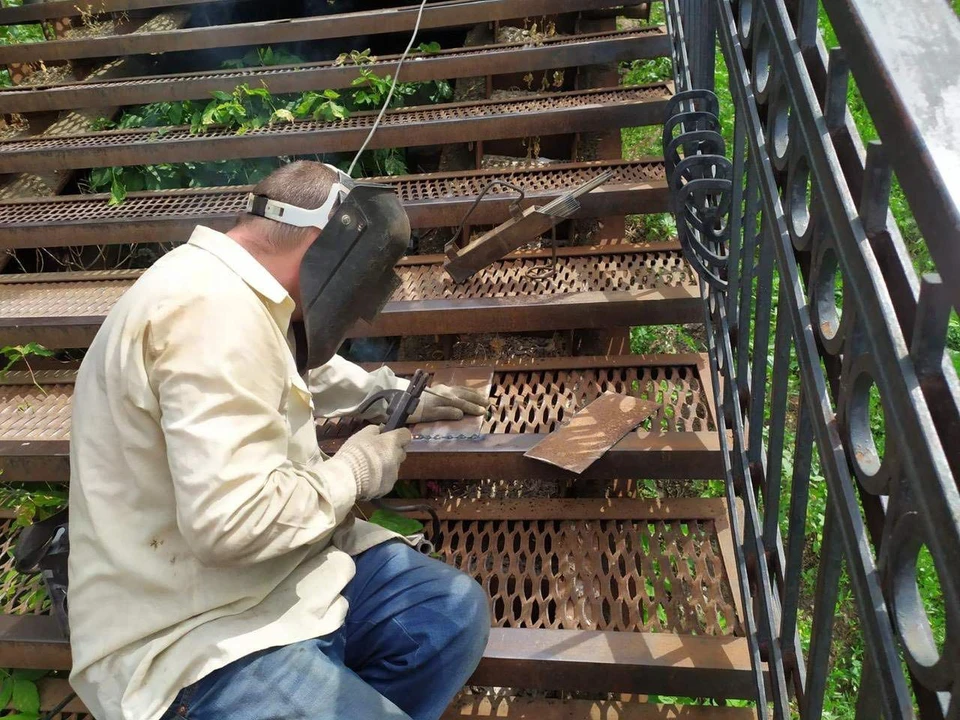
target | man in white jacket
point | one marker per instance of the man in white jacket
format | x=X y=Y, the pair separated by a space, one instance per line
x=216 y=571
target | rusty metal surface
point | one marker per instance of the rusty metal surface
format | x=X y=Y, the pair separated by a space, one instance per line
x=372 y=22
x=431 y=200
x=478 y=379
x=601 y=661
x=57 y=9
x=626 y=565
x=679 y=441
x=632 y=566
x=636 y=285
x=591 y=431
x=560 y=52
x=577 y=111
x=509 y=705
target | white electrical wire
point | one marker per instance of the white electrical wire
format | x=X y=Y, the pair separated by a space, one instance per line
x=393 y=86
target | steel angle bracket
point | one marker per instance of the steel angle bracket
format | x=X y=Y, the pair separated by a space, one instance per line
x=523 y=227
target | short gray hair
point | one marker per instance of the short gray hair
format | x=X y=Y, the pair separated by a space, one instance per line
x=304 y=184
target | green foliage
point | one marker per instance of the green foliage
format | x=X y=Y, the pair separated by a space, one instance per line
x=432 y=48
x=19 y=688
x=262 y=57
x=396 y=523
x=247 y=109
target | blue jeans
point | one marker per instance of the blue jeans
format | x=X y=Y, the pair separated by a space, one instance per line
x=415 y=631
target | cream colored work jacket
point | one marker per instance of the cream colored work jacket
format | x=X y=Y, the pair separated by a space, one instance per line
x=205 y=523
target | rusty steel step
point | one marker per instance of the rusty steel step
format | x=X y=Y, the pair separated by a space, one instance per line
x=595 y=595
x=431 y=200
x=528 y=400
x=594 y=287
x=567 y=112
x=491 y=703
x=559 y=52
x=56 y=9
x=455 y=13
x=504 y=705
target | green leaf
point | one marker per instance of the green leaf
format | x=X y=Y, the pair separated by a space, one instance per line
x=397 y=523
x=33 y=348
x=285 y=115
x=118 y=193
x=6 y=691
x=26 y=697
x=429 y=48
x=222 y=96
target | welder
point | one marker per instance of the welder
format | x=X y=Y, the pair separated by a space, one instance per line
x=217 y=569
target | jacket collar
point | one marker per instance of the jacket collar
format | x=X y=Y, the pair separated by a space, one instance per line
x=241 y=262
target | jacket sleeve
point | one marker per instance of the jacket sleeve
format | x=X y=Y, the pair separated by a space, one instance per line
x=339 y=387
x=219 y=368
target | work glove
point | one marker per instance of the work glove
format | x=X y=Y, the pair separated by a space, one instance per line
x=443 y=402
x=375 y=458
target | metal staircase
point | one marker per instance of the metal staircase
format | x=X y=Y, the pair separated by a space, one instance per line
x=631 y=582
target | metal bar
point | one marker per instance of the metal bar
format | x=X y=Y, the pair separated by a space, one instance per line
x=595 y=48
x=56 y=9
x=579 y=111
x=828 y=581
x=777 y=427
x=797 y=523
x=761 y=343
x=456 y=13
x=430 y=200
x=617 y=662
x=700 y=30
x=674 y=509
x=665 y=455
x=907 y=98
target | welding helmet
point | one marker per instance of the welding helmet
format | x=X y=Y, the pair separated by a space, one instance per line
x=347 y=273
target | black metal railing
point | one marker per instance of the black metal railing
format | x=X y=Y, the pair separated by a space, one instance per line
x=827 y=351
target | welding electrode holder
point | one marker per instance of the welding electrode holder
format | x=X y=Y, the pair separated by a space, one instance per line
x=401 y=404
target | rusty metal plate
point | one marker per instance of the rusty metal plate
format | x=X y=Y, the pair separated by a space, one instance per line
x=475 y=378
x=586 y=436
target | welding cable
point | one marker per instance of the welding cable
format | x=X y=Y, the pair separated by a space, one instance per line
x=60 y=706
x=476 y=203
x=393 y=86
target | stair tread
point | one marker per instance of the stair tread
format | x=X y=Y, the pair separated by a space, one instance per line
x=528 y=400
x=646 y=284
x=430 y=200
x=447 y=64
x=597 y=623
x=573 y=111
x=500 y=704
x=370 y=22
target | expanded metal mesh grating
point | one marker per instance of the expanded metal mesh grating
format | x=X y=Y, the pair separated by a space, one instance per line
x=94 y=294
x=403 y=117
x=537 y=401
x=265 y=73
x=651 y=576
x=177 y=204
x=35 y=411
x=504 y=279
